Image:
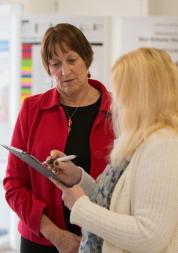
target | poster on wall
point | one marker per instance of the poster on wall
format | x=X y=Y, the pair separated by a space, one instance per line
x=158 y=32
x=34 y=78
x=5 y=30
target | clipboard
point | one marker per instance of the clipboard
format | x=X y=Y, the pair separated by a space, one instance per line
x=33 y=162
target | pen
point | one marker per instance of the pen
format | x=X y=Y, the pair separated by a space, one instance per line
x=60 y=159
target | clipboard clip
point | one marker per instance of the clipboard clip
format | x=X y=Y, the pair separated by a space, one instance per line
x=18 y=151
x=10 y=148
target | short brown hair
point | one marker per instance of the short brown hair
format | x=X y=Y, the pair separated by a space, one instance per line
x=65 y=34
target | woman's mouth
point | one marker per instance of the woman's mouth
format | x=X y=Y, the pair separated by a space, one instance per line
x=68 y=81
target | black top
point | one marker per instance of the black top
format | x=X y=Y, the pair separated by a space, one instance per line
x=78 y=142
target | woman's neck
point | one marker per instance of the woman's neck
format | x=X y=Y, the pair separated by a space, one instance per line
x=79 y=99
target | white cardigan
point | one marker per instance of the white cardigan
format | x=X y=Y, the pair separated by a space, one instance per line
x=143 y=214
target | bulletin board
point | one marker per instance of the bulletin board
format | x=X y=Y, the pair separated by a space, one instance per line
x=5 y=31
x=158 y=32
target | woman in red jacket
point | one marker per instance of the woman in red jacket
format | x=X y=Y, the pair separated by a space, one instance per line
x=73 y=117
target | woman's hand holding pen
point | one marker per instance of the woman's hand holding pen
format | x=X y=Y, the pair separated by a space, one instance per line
x=67 y=171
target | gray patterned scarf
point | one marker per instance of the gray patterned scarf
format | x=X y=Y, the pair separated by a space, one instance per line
x=92 y=243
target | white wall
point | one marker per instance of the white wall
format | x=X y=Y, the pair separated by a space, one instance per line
x=103 y=7
x=38 y=6
x=163 y=7
x=85 y=7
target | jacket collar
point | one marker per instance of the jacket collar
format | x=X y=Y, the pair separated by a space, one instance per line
x=50 y=98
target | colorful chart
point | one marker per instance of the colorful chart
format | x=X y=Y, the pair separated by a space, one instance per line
x=26 y=71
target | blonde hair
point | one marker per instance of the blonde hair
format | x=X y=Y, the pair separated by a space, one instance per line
x=145 y=98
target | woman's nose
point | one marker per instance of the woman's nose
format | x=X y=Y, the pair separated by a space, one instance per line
x=65 y=69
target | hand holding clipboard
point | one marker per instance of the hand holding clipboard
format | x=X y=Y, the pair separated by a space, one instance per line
x=37 y=165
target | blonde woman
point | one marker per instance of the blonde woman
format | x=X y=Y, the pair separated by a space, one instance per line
x=133 y=206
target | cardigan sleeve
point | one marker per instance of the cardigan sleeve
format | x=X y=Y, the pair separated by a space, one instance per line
x=155 y=218
x=87 y=183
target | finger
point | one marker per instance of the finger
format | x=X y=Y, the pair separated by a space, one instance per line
x=56 y=153
x=46 y=161
x=67 y=204
x=64 y=195
x=51 y=159
x=57 y=170
x=54 y=171
x=61 y=165
x=48 y=157
x=78 y=237
x=49 y=163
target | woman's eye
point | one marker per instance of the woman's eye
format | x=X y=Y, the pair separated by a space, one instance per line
x=71 y=61
x=56 y=64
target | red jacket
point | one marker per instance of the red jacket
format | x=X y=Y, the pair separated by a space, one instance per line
x=42 y=126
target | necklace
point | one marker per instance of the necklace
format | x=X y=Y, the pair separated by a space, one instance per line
x=70 y=116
